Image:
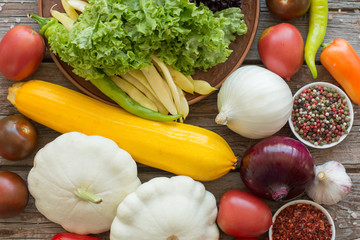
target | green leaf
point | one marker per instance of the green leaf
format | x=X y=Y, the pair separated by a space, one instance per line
x=118 y=36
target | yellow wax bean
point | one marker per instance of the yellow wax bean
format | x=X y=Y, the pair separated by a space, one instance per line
x=63 y=18
x=134 y=93
x=202 y=87
x=160 y=87
x=70 y=11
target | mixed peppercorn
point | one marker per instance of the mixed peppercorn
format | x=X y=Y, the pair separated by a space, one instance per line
x=320 y=115
x=301 y=221
x=218 y=5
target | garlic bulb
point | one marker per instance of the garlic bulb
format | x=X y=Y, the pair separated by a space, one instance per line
x=254 y=102
x=331 y=183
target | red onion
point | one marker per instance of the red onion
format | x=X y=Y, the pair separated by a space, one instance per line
x=277 y=168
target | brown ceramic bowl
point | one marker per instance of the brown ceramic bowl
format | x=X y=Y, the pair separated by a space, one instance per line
x=215 y=76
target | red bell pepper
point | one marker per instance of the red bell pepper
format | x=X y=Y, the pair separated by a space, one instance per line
x=72 y=236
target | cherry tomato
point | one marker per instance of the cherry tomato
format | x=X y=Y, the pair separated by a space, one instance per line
x=18 y=137
x=288 y=9
x=281 y=49
x=14 y=194
x=242 y=214
x=21 y=51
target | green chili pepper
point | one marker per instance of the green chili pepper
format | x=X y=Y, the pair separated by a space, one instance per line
x=105 y=84
x=316 y=33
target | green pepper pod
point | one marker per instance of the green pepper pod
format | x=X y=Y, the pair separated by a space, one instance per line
x=317 y=30
x=106 y=85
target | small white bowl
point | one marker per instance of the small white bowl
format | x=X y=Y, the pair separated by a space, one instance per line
x=318 y=206
x=338 y=90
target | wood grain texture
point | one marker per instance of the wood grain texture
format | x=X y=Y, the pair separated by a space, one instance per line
x=30 y=224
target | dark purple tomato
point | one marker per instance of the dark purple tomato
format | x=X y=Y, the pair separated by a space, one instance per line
x=18 y=137
x=288 y=9
x=14 y=194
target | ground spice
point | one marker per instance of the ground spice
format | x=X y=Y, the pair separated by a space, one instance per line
x=301 y=222
x=320 y=115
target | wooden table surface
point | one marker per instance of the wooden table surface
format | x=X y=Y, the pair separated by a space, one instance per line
x=344 y=22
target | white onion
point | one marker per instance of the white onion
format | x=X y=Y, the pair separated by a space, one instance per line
x=254 y=102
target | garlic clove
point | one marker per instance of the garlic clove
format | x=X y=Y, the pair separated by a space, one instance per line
x=331 y=183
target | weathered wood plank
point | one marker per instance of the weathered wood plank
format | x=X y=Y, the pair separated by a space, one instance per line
x=35 y=226
x=344 y=22
x=30 y=224
x=340 y=25
x=203 y=114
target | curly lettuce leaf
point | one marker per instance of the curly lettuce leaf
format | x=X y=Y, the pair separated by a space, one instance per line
x=120 y=35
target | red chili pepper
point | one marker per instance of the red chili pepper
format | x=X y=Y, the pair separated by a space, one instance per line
x=72 y=236
x=343 y=63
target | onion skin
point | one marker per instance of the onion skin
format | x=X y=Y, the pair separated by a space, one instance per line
x=277 y=168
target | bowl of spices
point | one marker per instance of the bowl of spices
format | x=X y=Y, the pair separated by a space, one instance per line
x=322 y=115
x=302 y=219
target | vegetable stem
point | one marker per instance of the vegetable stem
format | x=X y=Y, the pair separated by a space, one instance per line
x=221 y=118
x=325 y=45
x=40 y=20
x=44 y=23
x=321 y=176
x=279 y=193
x=172 y=237
x=87 y=196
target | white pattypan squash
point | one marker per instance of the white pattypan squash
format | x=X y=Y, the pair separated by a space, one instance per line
x=176 y=208
x=78 y=181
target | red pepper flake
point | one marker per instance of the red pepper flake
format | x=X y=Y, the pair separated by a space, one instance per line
x=301 y=222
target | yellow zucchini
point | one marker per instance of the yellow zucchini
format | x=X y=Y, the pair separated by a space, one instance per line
x=178 y=148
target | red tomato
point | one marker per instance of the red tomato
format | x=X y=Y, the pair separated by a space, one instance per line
x=242 y=214
x=249 y=238
x=21 y=51
x=18 y=137
x=14 y=194
x=281 y=49
x=288 y=9
x=72 y=236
